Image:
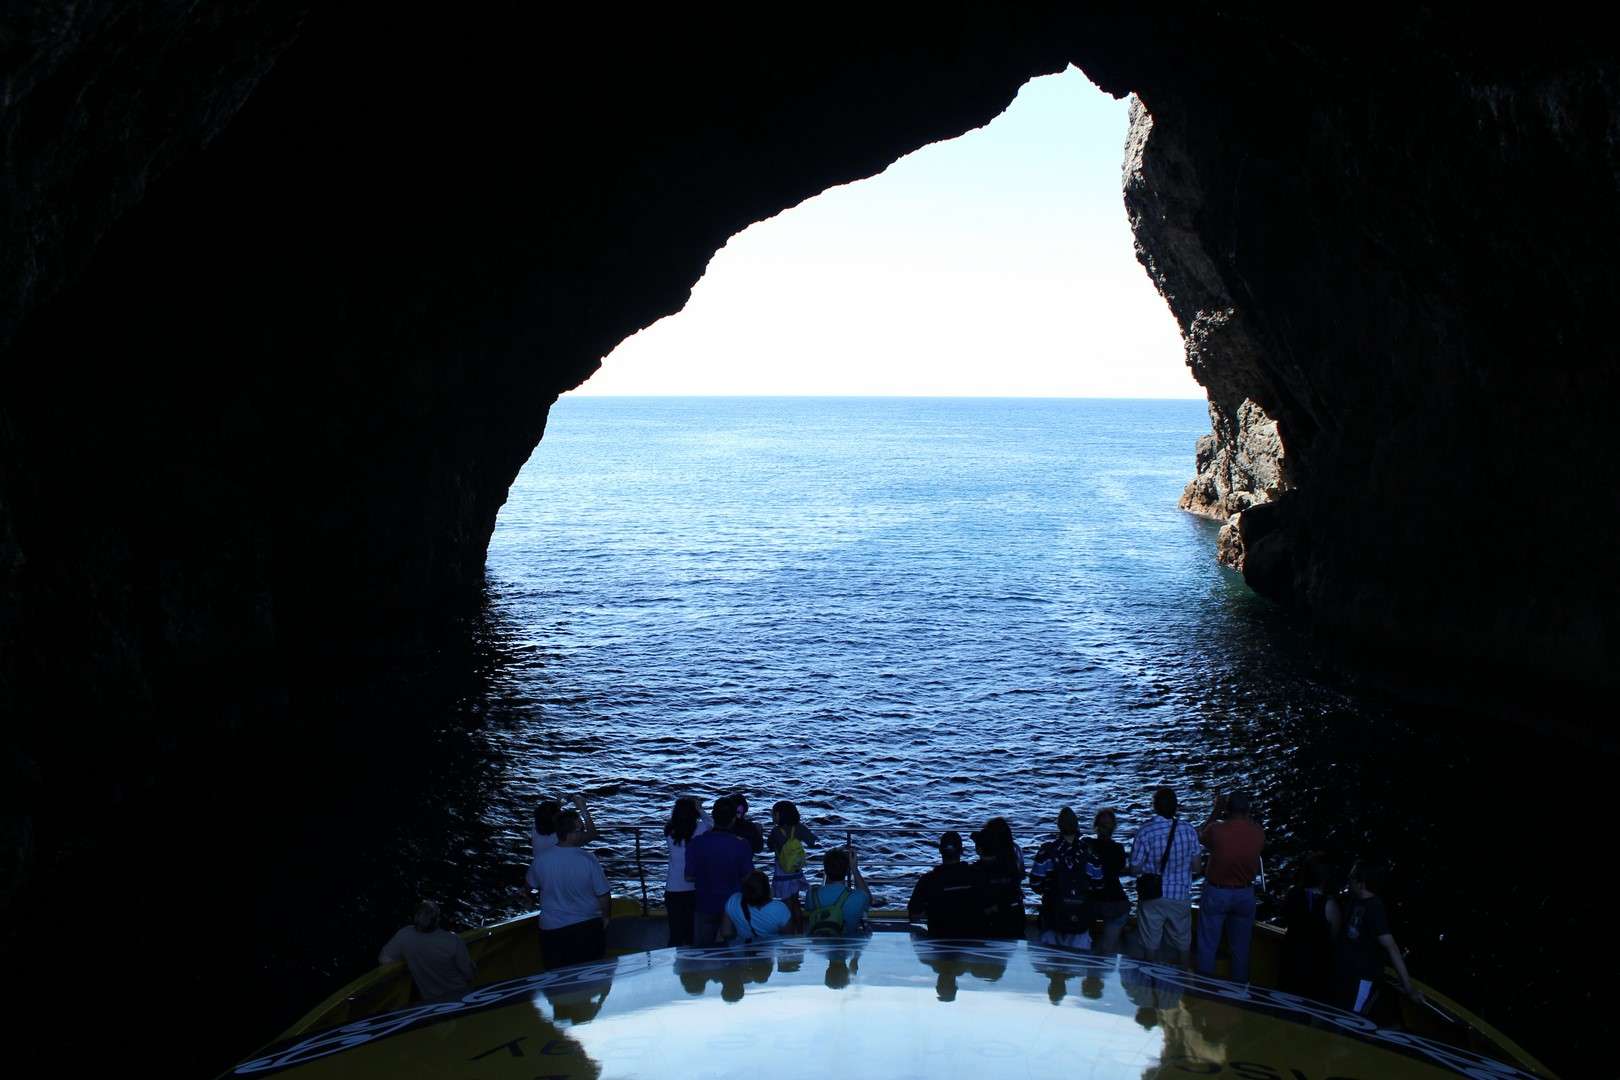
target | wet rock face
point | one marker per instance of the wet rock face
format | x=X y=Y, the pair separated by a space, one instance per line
x=1389 y=290
x=287 y=298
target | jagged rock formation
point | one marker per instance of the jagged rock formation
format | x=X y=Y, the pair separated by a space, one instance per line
x=1240 y=462
x=286 y=296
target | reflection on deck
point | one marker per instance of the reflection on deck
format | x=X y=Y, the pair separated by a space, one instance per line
x=888 y=1006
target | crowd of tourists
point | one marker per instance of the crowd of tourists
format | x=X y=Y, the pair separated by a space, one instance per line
x=1338 y=943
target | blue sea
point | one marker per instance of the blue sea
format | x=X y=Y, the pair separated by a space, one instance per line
x=908 y=616
x=901 y=614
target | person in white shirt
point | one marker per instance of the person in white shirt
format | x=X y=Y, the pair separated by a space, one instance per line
x=575 y=902
x=543 y=835
x=686 y=820
x=437 y=959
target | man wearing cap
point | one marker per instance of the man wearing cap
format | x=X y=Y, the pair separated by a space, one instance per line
x=951 y=895
x=1227 y=905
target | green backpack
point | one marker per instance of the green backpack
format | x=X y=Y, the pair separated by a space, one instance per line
x=790 y=856
x=827 y=920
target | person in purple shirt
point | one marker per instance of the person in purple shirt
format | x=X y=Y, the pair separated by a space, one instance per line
x=716 y=864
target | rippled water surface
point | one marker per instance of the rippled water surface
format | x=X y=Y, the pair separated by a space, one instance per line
x=898 y=613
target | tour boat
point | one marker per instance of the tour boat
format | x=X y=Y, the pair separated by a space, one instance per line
x=890 y=1004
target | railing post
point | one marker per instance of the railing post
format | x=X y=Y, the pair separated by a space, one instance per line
x=641 y=872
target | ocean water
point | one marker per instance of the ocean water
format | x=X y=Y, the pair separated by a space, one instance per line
x=907 y=616
x=901 y=614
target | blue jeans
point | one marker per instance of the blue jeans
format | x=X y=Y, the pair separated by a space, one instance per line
x=1230 y=911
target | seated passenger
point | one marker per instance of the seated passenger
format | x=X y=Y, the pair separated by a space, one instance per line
x=753 y=913
x=437 y=959
x=835 y=907
x=1002 y=866
x=787 y=878
x=950 y=896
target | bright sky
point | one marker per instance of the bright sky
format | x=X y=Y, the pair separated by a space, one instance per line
x=996 y=264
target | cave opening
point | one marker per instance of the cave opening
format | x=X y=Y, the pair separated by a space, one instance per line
x=904 y=439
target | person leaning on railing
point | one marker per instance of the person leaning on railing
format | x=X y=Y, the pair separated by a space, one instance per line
x=437 y=958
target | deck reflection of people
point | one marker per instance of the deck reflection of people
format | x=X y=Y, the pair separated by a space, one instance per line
x=575 y=902
x=686 y=820
x=841 y=901
x=1109 y=904
x=788 y=880
x=1310 y=912
x=951 y=896
x=1365 y=943
x=986 y=961
x=1226 y=908
x=1001 y=864
x=752 y=913
x=437 y=959
x=716 y=863
x=579 y=1001
x=696 y=970
x=1152 y=993
x=1167 y=847
x=1065 y=875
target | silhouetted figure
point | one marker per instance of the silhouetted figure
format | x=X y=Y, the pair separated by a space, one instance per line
x=716 y=863
x=1226 y=907
x=437 y=959
x=951 y=896
x=837 y=906
x=1065 y=875
x=753 y=913
x=1001 y=865
x=1364 y=943
x=1164 y=854
x=744 y=826
x=686 y=820
x=575 y=902
x=790 y=842
x=1311 y=914
x=1109 y=904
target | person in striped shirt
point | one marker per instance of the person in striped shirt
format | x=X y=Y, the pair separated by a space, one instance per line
x=1166 y=921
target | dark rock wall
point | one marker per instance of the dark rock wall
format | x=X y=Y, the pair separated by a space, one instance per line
x=1386 y=250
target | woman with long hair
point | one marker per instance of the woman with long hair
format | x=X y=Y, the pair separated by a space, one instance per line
x=686 y=820
x=754 y=913
x=1002 y=865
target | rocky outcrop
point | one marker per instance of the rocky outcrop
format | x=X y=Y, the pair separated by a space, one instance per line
x=1377 y=279
x=1241 y=462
